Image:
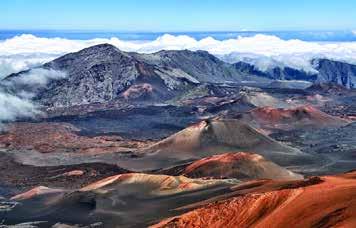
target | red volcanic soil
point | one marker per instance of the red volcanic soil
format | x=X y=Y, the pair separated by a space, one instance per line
x=287 y=119
x=61 y=137
x=40 y=190
x=328 y=201
x=138 y=91
x=239 y=165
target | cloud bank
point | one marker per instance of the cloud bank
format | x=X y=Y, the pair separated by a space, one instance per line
x=38 y=77
x=14 y=107
x=25 y=51
x=17 y=62
x=19 y=105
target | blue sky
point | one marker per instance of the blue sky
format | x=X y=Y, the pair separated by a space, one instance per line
x=179 y=15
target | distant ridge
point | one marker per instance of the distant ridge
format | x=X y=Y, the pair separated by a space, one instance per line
x=327 y=70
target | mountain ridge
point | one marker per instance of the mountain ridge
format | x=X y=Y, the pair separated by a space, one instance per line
x=103 y=73
x=327 y=70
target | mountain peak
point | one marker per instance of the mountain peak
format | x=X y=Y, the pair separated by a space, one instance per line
x=101 y=47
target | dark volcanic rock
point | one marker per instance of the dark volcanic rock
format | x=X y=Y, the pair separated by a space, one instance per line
x=151 y=122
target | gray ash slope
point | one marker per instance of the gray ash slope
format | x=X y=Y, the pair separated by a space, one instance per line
x=336 y=145
x=103 y=73
x=327 y=70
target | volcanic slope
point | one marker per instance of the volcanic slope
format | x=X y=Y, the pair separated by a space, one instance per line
x=126 y=200
x=241 y=165
x=138 y=200
x=269 y=118
x=328 y=201
x=211 y=137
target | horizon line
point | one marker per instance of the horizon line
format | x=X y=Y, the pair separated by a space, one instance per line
x=176 y=31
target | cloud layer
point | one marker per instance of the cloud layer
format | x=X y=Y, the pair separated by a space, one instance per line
x=19 y=104
x=22 y=52
x=14 y=63
x=15 y=107
x=38 y=77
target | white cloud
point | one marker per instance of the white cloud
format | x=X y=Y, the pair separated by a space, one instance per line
x=26 y=43
x=39 y=77
x=21 y=52
x=33 y=79
x=14 y=107
x=19 y=105
x=18 y=62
